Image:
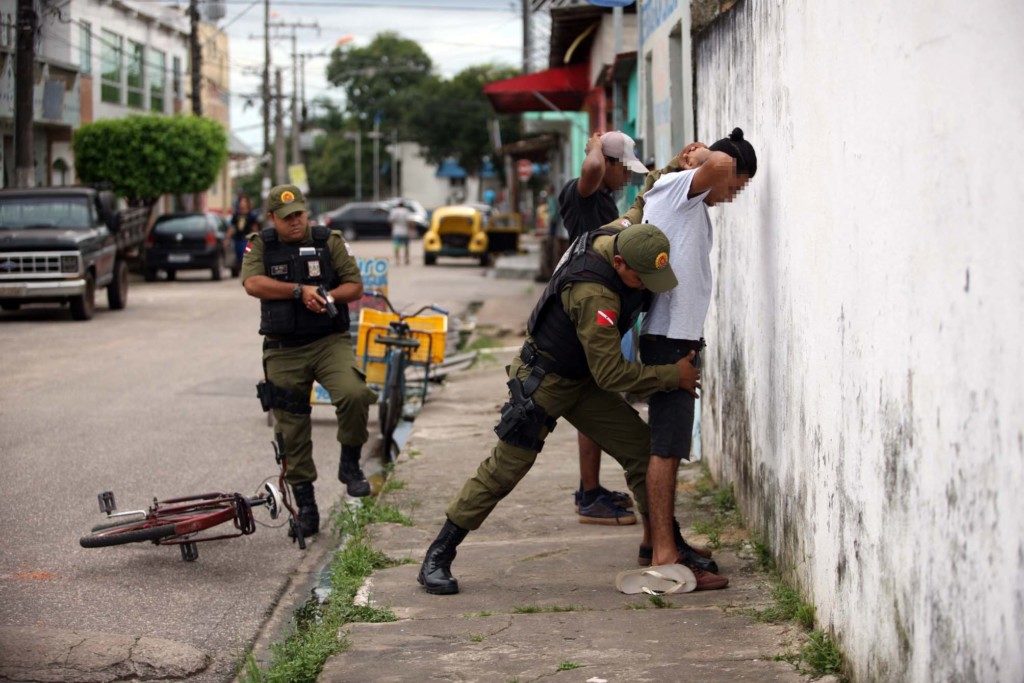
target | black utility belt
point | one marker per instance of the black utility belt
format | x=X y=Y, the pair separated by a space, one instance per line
x=269 y=344
x=532 y=357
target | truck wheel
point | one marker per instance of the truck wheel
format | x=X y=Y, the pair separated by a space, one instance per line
x=218 y=267
x=117 y=290
x=82 y=307
x=10 y=306
x=429 y=259
x=149 y=274
x=486 y=260
x=172 y=275
x=350 y=234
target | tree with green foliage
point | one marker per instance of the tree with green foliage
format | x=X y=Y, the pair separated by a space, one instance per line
x=451 y=117
x=380 y=77
x=144 y=157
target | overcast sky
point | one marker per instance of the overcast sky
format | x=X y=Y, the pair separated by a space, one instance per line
x=455 y=33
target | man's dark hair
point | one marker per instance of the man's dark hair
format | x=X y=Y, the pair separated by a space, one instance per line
x=740 y=150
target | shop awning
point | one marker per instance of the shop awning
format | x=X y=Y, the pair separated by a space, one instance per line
x=563 y=87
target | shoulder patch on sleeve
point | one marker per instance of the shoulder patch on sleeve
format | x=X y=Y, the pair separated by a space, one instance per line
x=606 y=317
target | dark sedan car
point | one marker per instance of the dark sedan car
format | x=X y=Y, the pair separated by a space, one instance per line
x=188 y=241
x=358 y=220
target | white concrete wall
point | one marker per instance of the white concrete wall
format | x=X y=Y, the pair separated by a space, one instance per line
x=864 y=369
x=419 y=180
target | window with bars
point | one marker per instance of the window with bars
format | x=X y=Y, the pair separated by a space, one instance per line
x=157 y=80
x=136 y=59
x=85 y=47
x=111 y=66
x=176 y=75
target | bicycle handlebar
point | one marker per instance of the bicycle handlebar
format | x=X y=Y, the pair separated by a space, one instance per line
x=429 y=307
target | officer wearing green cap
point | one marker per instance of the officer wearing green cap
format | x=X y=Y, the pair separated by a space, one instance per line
x=306 y=339
x=571 y=366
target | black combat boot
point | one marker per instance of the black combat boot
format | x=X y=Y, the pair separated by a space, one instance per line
x=305 y=501
x=436 y=570
x=350 y=474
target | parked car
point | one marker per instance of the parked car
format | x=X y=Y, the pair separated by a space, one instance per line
x=60 y=245
x=456 y=231
x=419 y=214
x=188 y=241
x=359 y=220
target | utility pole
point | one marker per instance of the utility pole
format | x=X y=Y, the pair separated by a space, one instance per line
x=196 y=54
x=357 y=137
x=265 y=189
x=527 y=37
x=24 y=78
x=279 y=161
x=294 y=26
x=394 y=162
x=375 y=136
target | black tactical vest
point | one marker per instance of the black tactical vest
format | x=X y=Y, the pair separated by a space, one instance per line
x=550 y=326
x=305 y=265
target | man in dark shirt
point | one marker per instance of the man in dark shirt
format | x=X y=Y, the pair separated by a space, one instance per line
x=586 y=203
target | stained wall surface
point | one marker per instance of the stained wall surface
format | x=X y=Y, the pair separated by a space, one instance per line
x=865 y=367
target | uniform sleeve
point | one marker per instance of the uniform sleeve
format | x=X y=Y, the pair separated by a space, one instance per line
x=252 y=259
x=345 y=264
x=594 y=310
x=635 y=214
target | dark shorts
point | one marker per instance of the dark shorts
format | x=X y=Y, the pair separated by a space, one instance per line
x=670 y=413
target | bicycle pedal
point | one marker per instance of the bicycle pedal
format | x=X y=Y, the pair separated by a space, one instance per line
x=107 y=504
x=189 y=552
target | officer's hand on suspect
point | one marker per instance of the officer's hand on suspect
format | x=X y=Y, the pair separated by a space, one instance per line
x=689 y=157
x=689 y=375
x=312 y=300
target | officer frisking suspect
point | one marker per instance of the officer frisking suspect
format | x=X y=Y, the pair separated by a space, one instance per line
x=284 y=267
x=571 y=366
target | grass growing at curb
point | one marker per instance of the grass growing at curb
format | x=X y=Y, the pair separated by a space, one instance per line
x=820 y=655
x=350 y=520
x=301 y=656
x=537 y=609
x=569 y=666
x=721 y=503
x=787 y=606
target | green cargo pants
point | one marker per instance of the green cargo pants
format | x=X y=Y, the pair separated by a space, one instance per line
x=603 y=416
x=331 y=362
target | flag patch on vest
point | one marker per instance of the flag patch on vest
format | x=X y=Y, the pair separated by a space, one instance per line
x=248 y=248
x=607 y=318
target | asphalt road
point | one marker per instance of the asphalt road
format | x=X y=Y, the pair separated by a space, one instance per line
x=156 y=400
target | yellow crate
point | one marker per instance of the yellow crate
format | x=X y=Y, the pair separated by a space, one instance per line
x=430 y=330
x=376 y=372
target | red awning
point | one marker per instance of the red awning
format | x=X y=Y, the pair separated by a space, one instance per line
x=565 y=87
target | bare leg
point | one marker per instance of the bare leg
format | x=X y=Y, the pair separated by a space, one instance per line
x=661 y=497
x=590 y=462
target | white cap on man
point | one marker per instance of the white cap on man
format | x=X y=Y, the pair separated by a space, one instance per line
x=618 y=145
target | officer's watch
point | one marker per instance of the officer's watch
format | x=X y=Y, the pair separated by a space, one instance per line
x=297 y=292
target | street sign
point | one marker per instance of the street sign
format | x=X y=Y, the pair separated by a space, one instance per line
x=297 y=176
x=524 y=169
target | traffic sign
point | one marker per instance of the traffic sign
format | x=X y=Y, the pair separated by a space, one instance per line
x=524 y=169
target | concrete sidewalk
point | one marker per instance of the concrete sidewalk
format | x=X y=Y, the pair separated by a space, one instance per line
x=538 y=595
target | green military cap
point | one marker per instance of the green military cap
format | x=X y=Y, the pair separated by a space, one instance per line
x=645 y=249
x=284 y=200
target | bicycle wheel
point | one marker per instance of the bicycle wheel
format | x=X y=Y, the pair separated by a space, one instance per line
x=391 y=407
x=129 y=532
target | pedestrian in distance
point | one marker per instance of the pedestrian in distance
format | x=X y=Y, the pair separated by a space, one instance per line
x=673 y=328
x=399 y=217
x=585 y=204
x=284 y=266
x=244 y=222
x=571 y=366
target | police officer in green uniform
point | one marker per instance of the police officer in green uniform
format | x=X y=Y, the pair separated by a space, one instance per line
x=306 y=339
x=571 y=366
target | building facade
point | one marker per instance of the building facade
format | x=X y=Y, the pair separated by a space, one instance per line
x=57 y=106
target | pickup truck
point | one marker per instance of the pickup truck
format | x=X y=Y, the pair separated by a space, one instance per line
x=59 y=244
